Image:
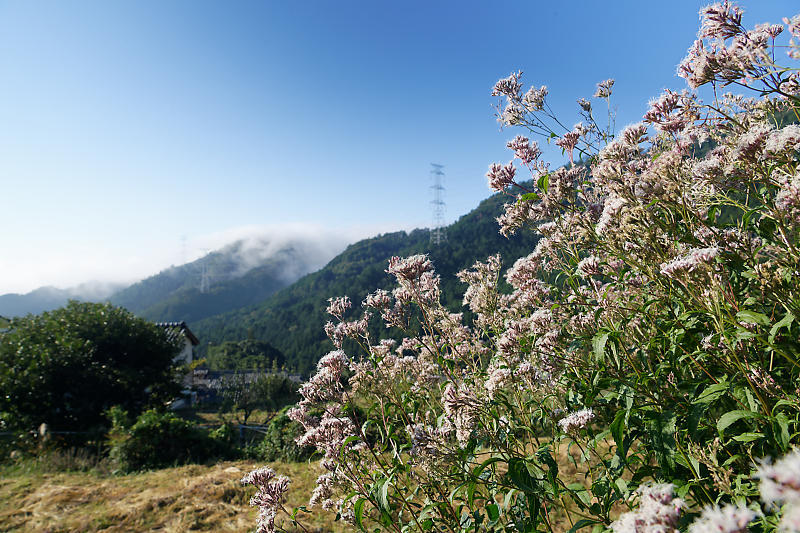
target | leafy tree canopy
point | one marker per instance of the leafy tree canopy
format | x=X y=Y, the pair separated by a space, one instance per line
x=66 y=367
x=245 y=354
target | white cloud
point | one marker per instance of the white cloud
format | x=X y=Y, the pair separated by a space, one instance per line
x=66 y=265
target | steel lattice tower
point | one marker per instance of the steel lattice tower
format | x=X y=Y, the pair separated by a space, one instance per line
x=438 y=234
x=205 y=279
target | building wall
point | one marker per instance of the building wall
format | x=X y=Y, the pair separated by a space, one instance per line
x=186 y=354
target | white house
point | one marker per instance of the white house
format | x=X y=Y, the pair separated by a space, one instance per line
x=181 y=330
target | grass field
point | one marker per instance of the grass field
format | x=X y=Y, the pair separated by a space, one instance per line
x=63 y=492
x=186 y=498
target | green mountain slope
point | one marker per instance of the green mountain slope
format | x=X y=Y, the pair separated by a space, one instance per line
x=292 y=319
x=174 y=294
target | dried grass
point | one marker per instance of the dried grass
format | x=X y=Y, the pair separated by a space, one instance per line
x=188 y=498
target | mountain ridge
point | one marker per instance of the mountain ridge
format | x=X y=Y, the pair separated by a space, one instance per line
x=293 y=318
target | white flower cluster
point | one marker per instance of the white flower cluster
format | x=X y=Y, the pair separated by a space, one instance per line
x=575 y=421
x=658 y=512
x=689 y=262
x=780 y=484
x=270 y=496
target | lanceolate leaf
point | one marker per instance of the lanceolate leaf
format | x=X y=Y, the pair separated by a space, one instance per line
x=732 y=416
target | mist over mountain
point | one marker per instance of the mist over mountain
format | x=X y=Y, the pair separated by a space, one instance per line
x=48 y=298
x=251 y=265
x=297 y=255
x=241 y=273
x=292 y=320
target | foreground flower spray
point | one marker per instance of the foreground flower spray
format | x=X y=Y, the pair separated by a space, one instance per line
x=636 y=371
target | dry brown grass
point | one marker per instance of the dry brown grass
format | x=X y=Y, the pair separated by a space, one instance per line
x=187 y=498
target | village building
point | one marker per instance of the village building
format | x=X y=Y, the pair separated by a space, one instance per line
x=181 y=332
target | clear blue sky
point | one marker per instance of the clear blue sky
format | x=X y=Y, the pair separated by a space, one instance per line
x=127 y=125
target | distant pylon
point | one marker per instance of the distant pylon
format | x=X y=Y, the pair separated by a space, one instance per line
x=205 y=279
x=438 y=234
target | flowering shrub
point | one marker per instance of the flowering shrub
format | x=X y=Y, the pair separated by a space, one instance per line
x=644 y=364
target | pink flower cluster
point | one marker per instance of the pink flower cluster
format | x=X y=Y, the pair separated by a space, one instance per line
x=270 y=496
x=576 y=420
x=689 y=262
x=658 y=512
x=726 y=519
x=725 y=52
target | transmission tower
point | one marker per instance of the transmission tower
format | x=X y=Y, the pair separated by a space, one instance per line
x=438 y=234
x=205 y=279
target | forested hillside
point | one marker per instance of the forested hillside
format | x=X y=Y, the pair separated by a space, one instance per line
x=232 y=282
x=292 y=319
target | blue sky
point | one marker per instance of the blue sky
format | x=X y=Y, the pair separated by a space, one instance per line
x=125 y=126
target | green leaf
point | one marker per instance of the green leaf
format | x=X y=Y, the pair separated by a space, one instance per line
x=493 y=511
x=752 y=403
x=471 y=486
x=599 y=345
x=349 y=440
x=748 y=437
x=543 y=182
x=478 y=470
x=785 y=322
x=583 y=522
x=661 y=428
x=712 y=392
x=782 y=403
x=520 y=476
x=581 y=492
x=783 y=434
x=732 y=416
x=751 y=317
x=618 y=432
x=382 y=494
x=358 y=511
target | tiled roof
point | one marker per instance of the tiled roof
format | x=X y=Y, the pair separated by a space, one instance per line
x=174 y=328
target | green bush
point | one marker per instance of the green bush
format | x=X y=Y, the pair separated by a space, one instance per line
x=67 y=367
x=160 y=439
x=278 y=443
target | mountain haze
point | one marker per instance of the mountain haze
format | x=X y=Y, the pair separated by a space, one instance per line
x=48 y=298
x=237 y=275
x=292 y=319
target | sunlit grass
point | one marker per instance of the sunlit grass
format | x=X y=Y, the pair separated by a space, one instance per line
x=37 y=494
x=186 y=498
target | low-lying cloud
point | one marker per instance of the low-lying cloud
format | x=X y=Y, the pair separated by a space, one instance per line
x=122 y=264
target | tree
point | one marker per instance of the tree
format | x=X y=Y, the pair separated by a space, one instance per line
x=66 y=367
x=244 y=354
x=244 y=395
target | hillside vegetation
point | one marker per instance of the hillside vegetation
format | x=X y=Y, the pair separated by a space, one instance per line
x=175 y=293
x=292 y=320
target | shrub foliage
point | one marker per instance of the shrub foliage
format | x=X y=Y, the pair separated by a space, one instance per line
x=66 y=367
x=160 y=439
x=279 y=443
